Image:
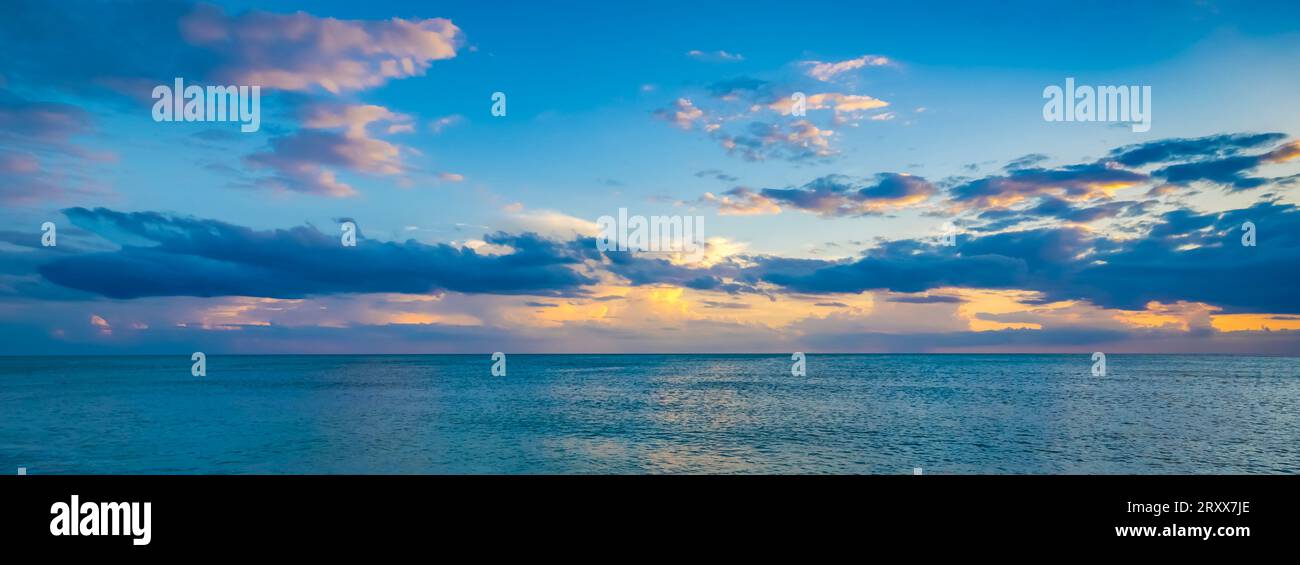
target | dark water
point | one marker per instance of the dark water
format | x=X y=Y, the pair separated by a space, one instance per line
x=651 y=414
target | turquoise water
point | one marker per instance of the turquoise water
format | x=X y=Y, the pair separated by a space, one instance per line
x=651 y=414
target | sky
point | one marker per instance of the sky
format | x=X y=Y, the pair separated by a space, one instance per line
x=872 y=178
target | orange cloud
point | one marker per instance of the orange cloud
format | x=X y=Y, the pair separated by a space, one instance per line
x=1255 y=322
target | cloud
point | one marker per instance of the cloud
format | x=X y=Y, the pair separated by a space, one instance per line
x=1185 y=256
x=1061 y=209
x=682 y=113
x=838 y=195
x=30 y=128
x=1175 y=277
x=715 y=56
x=18 y=163
x=303 y=161
x=101 y=325
x=927 y=299
x=1218 y=159
x=317 y=57
x=800 y=140
x=716 y=174
x=1182 y=149
x=1166 y=163
x=441 y=124
x=162 y=255
x=826 y=71
x=726 y=305
x=1231 y=172
x=43 y=122
x=847 y=108
x=1284 y=154
x=740 y=201
x=23 y=182
x=352 y=118
x=1198 y=257
x=1071 y=182
x=299 y=52
x=894 y=267
x=1024 y=162
x=548 y=223
x=755 y=119
x=293 y=52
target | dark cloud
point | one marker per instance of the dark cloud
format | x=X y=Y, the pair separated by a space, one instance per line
x=910 y=274
x=1025 y=162
x=1060 y=209
x=1070 y=193
x=1185 y=256
x=1218 y=159
x=165 y=255
x=716 y=174
x=838 y=195
x=1027 y=259
x=1199 y=257
x=1228 y=171
x=1182 y=149
x=651 y=271
x=1075 y=182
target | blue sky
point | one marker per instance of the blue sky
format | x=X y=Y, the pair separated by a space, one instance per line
x=477 y=230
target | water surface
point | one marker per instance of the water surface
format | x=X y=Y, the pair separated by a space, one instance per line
x=651 y=414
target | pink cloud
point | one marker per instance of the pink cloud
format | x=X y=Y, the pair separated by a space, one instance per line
x=334 y=136
x=300 y=52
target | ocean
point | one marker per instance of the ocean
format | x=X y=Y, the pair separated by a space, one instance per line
x=567 y=414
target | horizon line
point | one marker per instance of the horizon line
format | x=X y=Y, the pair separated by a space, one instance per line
x=489 y=353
